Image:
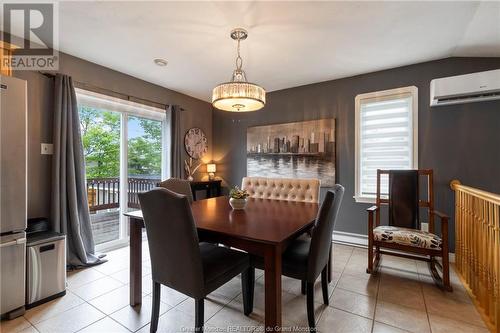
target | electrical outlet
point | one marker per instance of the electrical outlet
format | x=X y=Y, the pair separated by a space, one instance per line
x=47 y=148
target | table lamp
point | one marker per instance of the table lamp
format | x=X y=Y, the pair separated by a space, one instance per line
x=211 y=168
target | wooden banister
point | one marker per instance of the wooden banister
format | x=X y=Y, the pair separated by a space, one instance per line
x=477 y=249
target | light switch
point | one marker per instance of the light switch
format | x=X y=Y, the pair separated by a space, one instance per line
x=47 y=148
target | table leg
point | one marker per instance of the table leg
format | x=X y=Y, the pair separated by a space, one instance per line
x=135 y=261
x=272 y=266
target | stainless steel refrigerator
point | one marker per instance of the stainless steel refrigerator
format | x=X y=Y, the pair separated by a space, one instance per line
x=13 y=195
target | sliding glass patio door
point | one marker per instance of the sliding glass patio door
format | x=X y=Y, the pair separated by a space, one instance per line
x=124 y=147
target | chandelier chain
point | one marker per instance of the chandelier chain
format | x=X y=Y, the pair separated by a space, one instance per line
x=239 y=60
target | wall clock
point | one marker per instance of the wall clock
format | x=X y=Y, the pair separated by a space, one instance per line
x=195 y=142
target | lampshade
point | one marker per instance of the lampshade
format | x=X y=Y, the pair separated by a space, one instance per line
x=211 y=167
x=238 y=97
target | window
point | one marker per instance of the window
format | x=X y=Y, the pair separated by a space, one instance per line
x=124 y=149
x=386 y=137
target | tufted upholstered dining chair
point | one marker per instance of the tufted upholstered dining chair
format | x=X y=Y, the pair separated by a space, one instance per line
x=403 y=232
x=179 y=261
x=290 y=189
x=178 y=185
x=306 y=258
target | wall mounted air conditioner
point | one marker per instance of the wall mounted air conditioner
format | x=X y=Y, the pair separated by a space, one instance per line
x=468 y=88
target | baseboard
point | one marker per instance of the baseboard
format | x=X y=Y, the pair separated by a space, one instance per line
x=359 y=240
x=347 y=238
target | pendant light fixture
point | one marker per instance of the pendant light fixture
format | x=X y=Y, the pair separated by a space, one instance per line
x=239 y=95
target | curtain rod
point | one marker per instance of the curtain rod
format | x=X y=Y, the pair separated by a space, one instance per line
x=112 y=93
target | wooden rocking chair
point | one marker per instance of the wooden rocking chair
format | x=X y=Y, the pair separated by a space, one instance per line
x=403 y=233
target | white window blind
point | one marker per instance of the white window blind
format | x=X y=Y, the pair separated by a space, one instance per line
x=386 y=137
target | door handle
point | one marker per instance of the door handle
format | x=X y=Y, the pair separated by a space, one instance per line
x=14 y=242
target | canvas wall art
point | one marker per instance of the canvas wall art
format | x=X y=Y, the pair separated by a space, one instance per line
x=303 y=149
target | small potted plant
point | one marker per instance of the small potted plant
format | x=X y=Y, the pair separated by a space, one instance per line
x=238 y=198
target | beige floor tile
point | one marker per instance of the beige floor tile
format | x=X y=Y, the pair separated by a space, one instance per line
x=340 y=248
x=450 y=308
x=399 y=278
x=213 y=304
x=259 y=298
x=339 y=266
x=147 y=284
x=402 y=317
x=53 y=308
x=113 y=300
x=383 y=328
x=146 y=269
x=338 y=321
x=171 y=296
x=72 y=320
x=124 y=275
x=136 y=317
x=403 y=264
x=341 y=258
x=30 y=329
x=105 y=325
x=173 y=321
x=353 y=302
x=362 y=285
x=113 y=265
x=97 y=288
x=80 y=277
x=444 y=325
x=295 y=310
x=293 y=286
x=430 y=289
x=230 y=289
x=356 y=270
x=15 y=325
x=410 y=297
x=232 y=319
x=359 y=259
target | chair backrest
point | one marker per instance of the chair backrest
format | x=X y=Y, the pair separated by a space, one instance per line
x=404 y=199
x=173 y=241
x=178 y=185
x=322 y=232
x=290 y=189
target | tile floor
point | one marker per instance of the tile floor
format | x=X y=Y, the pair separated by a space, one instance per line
x=400 y=298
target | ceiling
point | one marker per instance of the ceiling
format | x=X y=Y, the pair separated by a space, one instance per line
x=289 y=44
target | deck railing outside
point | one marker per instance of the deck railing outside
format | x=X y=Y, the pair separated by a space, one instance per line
x=104 y=193
x=104 y=199
x=477 y=250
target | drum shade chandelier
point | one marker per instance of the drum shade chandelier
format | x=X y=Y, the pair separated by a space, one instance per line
x=239 y=95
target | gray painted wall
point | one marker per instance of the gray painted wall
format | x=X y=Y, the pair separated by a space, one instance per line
x=458 y=142
x=40 y=103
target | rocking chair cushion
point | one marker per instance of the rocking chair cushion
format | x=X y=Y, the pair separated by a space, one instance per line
x=406 y=236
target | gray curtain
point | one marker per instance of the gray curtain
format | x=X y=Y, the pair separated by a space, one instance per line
x=176 y=161
x=70 y=213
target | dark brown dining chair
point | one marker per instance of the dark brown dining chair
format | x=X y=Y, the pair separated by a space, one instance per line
x=178 y=185
x=180 y=262
x=306 y=258
x=403 y=232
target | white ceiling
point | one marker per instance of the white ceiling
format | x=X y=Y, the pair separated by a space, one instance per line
x=289 y=44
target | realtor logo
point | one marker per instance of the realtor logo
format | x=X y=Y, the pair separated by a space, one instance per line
x=29 y=30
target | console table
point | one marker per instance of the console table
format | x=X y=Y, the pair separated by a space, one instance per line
x=212 y=188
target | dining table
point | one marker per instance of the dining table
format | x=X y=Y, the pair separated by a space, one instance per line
x=264 y=228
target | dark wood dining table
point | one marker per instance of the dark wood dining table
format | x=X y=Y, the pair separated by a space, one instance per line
x=264 y=228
